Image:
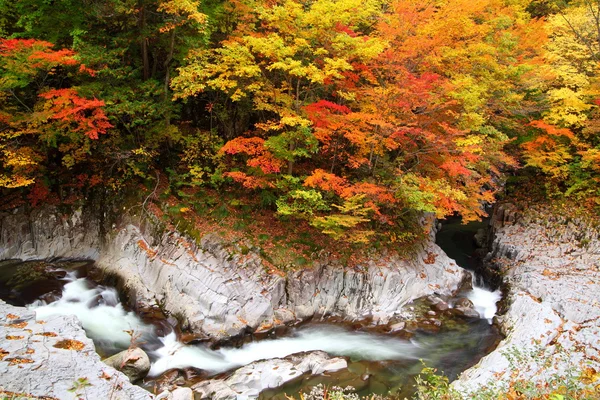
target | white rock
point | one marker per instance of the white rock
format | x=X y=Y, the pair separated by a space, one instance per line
x=553 y=299
x=247 y=382
x=56 y=359
x=132 y=362
x=222 y=294
x=183 y=393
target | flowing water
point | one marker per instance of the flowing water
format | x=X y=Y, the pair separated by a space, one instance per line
x=485 y=301
x=377 y=363
x=457 y=241
x=100 y=312
x=329 y=338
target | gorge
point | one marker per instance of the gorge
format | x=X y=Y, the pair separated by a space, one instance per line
x=300 y=199
x=114 y=329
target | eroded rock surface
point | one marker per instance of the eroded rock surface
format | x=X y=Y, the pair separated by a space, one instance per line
x=54 y=358
x=552 y=266
x=223 y=294
x=247 y=382
x=132 y=362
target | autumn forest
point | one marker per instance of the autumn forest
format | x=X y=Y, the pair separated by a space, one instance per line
x=348 y=117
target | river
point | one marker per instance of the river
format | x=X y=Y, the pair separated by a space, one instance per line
x=379 y=361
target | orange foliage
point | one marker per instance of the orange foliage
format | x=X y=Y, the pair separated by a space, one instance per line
x=261 y=157
x=552 y=130
x=326 y=181
x=378 y=193
x=252 y=146
x=144 y=246
x=248 y=181
x=550 y=150
x=77 y=114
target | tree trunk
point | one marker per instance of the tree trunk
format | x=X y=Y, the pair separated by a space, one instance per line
x=167 y=75
x=290 y=167
x=144 y=43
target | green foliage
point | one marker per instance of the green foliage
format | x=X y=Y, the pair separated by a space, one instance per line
x=432 y=386
x=351 y=214
x=79 y=386
x=292 y=145
x=301 y=204
x=268 y=199
x=200 y=157
x=409 y=190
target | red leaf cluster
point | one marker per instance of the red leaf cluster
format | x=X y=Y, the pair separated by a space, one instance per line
x=78 y=114
x=260 y=156
x=38 y=52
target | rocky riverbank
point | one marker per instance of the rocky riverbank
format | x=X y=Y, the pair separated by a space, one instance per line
x=249 y=381
x=53 y=359
x=551 y=265
x=214 y=292
x=219 y=293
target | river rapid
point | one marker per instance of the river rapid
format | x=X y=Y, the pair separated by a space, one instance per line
x=377 y=362
x=381 y=359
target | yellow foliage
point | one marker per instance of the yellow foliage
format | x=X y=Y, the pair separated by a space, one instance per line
x=297 y=47
x=570 y=67
x=181 y=12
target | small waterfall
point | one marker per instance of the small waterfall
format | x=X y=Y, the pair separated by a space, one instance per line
x=484 y=299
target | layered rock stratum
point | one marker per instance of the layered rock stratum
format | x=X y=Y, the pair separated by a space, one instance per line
x=551 y=266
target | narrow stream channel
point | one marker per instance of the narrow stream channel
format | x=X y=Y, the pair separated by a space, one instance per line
x=378 y=362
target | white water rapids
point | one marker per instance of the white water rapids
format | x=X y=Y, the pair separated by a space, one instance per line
x=332 y=340
x=99 y=310
x=484 y=300
x=106 y=321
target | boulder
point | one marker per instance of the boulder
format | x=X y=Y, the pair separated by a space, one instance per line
x=398 y=326
x=464 y=307
x=55 y=359
x=437 y=304
x=463 y=302
x=250 y=380
x=183 y=393
x=466 y=312
x=132 y=362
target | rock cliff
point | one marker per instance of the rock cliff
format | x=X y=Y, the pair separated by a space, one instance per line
x=54 y=359
x=221 y=294
x=551 y=265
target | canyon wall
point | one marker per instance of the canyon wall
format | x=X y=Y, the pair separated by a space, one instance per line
x=551 y=266
x=217 y=292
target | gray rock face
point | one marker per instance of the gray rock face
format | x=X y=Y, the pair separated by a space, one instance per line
x=183 y=393
x=552 y=266
x=132 y=362
x=247 y=382
x=54 y=358
x=47 y=234
x=219 y=293
x=464 y=307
